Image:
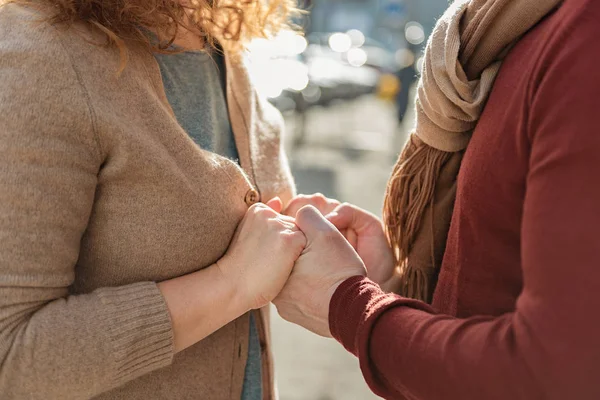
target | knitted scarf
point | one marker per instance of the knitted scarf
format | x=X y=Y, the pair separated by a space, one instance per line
x=461 y=62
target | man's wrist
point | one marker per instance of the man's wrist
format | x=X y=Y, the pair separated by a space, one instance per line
x=347 y=309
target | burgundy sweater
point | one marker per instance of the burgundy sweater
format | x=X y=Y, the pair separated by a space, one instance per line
x=516 y=313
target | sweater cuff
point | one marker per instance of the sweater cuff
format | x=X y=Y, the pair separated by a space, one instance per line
x=350 y=308
x=355 y=307
x=139 y=329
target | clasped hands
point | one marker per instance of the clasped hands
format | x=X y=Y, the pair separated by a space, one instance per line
x=297 y=257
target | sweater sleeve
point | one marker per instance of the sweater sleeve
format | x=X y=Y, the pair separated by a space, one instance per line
x=548 y=348
x=54 y=345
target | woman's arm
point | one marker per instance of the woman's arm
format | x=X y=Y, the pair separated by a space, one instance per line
x=265 y=244
x=59 y=346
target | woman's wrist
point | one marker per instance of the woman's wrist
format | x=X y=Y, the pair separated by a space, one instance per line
x=234 y=289
x=200 y=303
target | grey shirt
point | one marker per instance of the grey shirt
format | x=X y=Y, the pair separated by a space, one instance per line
x=194 y=85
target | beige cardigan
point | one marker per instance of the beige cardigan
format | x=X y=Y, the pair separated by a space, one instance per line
x=102 y=194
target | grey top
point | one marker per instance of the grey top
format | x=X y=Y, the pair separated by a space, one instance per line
x=194 y=86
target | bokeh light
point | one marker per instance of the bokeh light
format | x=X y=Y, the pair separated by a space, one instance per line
x=340 y=42
x=356 y=37
x=356 y=57
x=404 y=58
x=414 y=33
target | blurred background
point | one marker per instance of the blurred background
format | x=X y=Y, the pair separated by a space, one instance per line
x=346 y=90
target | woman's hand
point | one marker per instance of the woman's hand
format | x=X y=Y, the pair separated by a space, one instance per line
x=251 y=273
x=371 y=243
x=261 y=255
x=324 y=204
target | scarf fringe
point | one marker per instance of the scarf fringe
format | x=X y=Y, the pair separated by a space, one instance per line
x=410 y=193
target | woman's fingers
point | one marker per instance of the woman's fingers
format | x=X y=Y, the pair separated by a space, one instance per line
x=276 y=204
x=317 y=200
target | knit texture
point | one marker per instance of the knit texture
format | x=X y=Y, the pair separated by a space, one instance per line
x=102 y=194
x=514 y=314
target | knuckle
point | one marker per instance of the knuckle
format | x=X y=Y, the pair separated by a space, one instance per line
x=319 y=198
x=345 y=209
x=264 y=212
x=304 y=212
x=329 y=236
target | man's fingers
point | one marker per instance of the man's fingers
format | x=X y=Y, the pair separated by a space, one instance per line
x=342 y=217
x=347 y=216
x=352 y=237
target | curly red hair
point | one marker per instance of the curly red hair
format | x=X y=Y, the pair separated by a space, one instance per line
x=233 y=23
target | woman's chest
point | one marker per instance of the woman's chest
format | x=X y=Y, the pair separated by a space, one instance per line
x=163 y=208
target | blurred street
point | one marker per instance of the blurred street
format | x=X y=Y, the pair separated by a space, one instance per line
x=347 y=153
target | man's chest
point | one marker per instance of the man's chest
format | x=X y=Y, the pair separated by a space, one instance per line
x=483 y=254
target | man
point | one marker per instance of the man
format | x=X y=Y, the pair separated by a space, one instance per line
x=513 y=314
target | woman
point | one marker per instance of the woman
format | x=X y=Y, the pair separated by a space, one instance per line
x=122 y=274
x=515 y=301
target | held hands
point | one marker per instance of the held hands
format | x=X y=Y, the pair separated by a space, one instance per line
x=370 y=243
x=266 y=246
x=325 y=263
x=362 y=229
x=261 y=254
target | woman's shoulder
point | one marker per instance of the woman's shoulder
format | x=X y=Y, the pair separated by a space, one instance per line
x=23 y=27
x=28 y=39
x=26 y=27
x=39 y=82
x=50 y=47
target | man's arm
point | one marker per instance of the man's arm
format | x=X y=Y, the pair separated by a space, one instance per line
x=549 y=347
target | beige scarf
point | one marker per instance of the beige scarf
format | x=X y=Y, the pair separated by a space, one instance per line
x=462 y=59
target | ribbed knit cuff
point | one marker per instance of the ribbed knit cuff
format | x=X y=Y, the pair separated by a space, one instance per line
x=349 y=309
x=138 y=323
x=355 y=307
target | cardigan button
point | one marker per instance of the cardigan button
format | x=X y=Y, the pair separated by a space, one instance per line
x=252 y=197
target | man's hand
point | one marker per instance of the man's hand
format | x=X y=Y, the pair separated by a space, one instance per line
x=370 y=243
x=327 y=260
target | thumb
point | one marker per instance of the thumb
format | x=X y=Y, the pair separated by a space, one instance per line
x=276 y=204
x=311 y=222
x=343 y=218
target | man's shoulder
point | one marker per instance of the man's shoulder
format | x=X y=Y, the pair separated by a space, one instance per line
x=579 y=14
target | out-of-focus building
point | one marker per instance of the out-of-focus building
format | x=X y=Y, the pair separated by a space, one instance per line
x=382 y=20
x=350 y=48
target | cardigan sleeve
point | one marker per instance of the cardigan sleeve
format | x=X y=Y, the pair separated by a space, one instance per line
x=54 y=345
x=548 y=347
